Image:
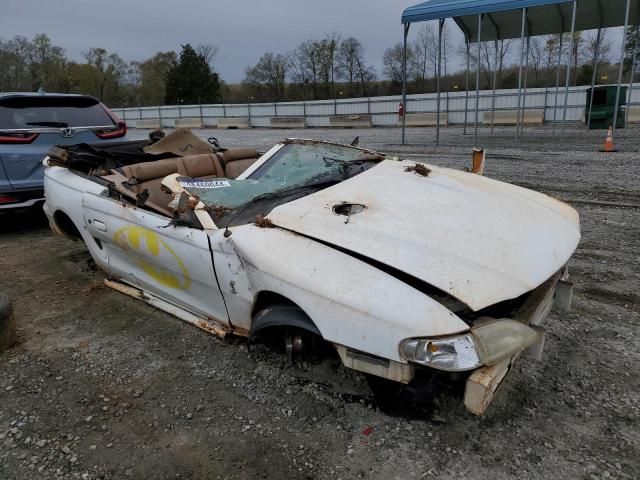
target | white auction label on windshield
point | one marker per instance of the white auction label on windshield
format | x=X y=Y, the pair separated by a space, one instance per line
x=205 y=183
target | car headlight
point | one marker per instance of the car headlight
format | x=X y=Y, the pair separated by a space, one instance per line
x=453 y=354
x=487 y=344
x=499 y=339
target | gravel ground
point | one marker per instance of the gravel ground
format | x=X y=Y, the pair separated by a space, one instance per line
x=103 y=386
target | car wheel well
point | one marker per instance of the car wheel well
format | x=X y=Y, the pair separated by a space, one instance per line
x=266 y=299
x=272 y=310
x=66 y=225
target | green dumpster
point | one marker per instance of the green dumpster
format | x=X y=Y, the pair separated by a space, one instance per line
x=604 y=102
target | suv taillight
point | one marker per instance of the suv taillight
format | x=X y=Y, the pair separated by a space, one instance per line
x=17 y=137
x=119 y=131
x=8 y=199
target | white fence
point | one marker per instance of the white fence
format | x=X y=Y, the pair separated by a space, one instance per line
x=383 y=110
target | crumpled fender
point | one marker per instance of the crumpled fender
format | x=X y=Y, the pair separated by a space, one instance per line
x=351 y=302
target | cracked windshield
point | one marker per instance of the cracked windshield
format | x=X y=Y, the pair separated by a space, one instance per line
x=295 y=167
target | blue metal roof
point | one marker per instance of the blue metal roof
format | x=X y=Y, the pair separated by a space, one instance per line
x=436 y=9
x=502 y=18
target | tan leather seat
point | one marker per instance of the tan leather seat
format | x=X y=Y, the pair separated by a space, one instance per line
x=146 y=171
x=237 y=160
x=149 y=175
x=204 y=165
x=197 y=166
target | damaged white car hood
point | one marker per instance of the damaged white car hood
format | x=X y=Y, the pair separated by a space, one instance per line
x=480 y=240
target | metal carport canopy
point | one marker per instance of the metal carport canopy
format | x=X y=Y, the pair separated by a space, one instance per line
x=503 y=16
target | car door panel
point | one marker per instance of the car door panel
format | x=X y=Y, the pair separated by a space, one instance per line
x=234 y=280
x=144 y=249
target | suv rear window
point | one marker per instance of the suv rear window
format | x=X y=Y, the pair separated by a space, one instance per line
x=50 y=111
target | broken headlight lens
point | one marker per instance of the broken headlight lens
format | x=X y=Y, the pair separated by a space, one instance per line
x=501 y=338
x=453 y=354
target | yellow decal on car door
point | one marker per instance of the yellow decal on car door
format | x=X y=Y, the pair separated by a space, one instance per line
x=153 y=255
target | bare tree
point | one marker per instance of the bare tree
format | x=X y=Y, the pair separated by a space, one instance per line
x=326 y=56
x=209 y=52
x=602 y=46
x=296 y=68
x=577 y=51
x=426 y=52
x=536 y=56
x=270 y=71
x=349 y=51
x=304 y=65
x=551 y=49
x=445 y=55
x=367 y=75
x=351 y=66
x=392 y=62
x=488 y=58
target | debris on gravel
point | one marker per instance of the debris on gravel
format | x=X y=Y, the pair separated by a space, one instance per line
x=101 y=386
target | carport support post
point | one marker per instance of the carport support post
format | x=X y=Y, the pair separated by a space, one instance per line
x=440 y=25
x=475 y=126
x=524 y=19
x=594 y=67
x=555 y=101
x=566 y=83
x=634 y=52
x=404 y=77
x=466 y=88
x=524 y=90
x=624 y=37
x=495 y=80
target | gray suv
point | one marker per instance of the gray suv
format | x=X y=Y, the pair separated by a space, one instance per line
x=32 y=123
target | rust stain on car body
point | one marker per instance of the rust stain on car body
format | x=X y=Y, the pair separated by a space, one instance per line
x=218 y=211
x=418 y=169
x=264 y=222
x=208 y=327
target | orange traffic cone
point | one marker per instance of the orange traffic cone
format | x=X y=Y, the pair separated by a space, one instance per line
x=608 y=143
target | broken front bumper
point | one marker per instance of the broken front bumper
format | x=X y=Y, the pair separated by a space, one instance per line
x=484 y=382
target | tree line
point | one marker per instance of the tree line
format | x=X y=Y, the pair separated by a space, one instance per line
x=165 y=78
x=318 y=69
x=325 y=68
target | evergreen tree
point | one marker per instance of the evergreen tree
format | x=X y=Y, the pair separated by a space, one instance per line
x=191 y=80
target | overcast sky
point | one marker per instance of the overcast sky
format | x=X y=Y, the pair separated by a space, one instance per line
x=243 y=29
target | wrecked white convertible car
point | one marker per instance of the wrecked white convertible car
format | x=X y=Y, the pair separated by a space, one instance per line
x=400 y=266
